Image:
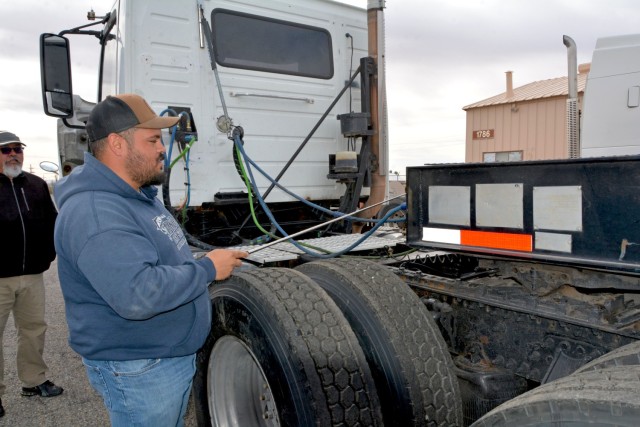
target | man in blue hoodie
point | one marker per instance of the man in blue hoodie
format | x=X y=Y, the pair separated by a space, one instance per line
x=136 y=300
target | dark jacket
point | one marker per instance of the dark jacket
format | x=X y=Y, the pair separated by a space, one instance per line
x=27 y=218
x=131 y=286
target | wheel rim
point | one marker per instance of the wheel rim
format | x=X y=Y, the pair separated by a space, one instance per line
x=238 y=391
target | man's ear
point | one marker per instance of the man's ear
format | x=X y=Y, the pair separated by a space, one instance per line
x=116 y=144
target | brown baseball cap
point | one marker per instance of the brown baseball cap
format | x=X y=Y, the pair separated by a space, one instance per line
x=121 y=112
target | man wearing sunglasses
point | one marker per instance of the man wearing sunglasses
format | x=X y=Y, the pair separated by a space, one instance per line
x=27 y=217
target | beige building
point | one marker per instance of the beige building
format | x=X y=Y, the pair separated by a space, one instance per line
x=524 y=123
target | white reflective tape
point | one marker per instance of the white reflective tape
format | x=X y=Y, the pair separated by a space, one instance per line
x=441 y=235
x=553 y=242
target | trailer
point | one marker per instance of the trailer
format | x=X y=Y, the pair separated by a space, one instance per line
x=492 y=294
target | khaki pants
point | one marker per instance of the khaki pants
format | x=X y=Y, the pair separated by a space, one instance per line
x=24 y=295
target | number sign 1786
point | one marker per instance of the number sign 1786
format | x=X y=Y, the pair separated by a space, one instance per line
x=483 y=134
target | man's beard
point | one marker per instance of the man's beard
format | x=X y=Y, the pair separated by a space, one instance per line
x=141 y=171
x=12 y=170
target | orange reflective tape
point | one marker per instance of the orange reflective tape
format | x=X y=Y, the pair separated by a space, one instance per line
x=487 y=239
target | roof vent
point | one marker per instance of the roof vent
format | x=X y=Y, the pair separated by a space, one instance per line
x=509 y=84
x=584 y=68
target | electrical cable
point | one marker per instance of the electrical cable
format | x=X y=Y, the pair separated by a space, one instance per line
x=267 y=211
x=251 y=190
x=245 y=156
x=166 y=196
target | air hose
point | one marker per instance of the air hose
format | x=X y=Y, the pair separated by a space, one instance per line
x=267 y=211
x=166 y=195
x=239 y=146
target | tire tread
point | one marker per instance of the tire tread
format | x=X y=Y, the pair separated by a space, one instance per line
x=424 y=358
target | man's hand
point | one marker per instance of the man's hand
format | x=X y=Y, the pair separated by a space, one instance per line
x=225 y=260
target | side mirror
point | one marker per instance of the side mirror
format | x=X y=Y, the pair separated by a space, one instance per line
x=49 y=167
x=55 y=70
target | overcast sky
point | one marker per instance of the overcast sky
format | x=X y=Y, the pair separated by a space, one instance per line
x=441 y=56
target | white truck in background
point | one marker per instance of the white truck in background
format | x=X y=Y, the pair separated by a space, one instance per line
x=502 y=280
x=610 y=122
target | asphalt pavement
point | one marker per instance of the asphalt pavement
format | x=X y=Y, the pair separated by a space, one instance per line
x=79 y=405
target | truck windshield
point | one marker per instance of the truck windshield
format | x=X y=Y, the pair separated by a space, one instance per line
x=258 y=43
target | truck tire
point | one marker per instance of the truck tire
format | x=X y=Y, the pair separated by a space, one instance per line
x=408 y=357
x=392 y=205
x=604 y=397
x=280 y=353
x=622 y=356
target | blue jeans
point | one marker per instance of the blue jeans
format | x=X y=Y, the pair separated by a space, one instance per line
x=145 y=392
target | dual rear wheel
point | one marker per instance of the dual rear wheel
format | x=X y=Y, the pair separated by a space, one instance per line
x=332 y=343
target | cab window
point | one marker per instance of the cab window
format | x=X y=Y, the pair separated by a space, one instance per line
x=257 y=43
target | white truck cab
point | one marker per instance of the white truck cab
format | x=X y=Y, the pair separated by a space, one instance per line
x=287 y=76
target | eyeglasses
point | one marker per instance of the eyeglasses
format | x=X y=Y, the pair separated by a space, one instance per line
x=7 y=150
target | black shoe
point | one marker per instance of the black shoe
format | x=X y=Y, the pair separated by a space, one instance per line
x=46 y=389
x=1 y=409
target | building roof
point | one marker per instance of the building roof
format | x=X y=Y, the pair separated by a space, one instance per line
x=532 y=91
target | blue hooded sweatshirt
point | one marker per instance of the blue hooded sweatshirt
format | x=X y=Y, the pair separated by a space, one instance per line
x=131 y=286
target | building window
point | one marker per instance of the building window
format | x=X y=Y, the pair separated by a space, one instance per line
x=502 y=156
